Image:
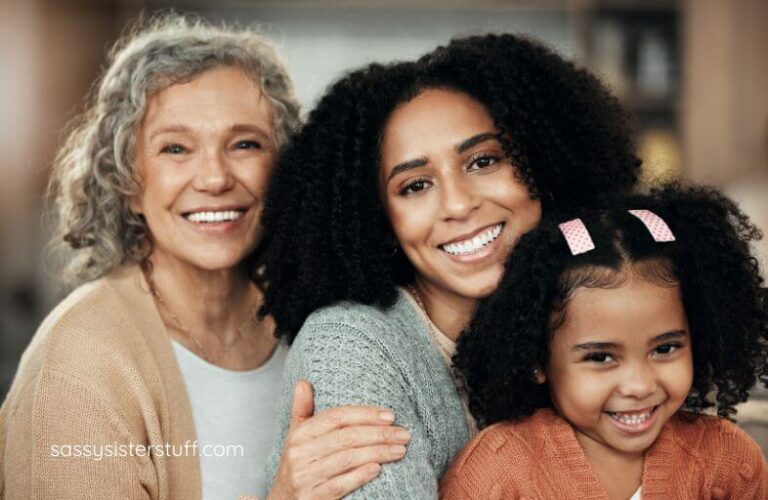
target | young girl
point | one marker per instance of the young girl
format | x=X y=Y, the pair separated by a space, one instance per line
x=608 y=338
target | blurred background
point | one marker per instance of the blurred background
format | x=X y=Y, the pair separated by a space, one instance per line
x=694 y=74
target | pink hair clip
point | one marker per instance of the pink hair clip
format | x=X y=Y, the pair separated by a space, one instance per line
x=577 y=236
x=656 y=226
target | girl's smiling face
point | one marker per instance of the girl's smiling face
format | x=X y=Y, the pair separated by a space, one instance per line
x=620 y=365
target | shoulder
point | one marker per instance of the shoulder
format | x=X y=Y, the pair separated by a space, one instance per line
x=361 y=354
x=362 y=317
x=90 y=327
x=496 y=463
x=519 y=439
x=707 y=433
x=353 y=324
x=720 y=442
x=499 y=442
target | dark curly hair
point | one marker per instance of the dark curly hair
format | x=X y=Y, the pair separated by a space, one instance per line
x=720 y=283
x=328 y=237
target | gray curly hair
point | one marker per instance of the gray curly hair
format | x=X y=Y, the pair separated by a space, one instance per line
x=93 y=178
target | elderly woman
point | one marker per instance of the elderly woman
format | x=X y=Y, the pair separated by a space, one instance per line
x=394 y=209
x=155 y=378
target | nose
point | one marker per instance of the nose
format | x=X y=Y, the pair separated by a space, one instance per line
x=214 y=175
x=459 y=198
x=639 y=381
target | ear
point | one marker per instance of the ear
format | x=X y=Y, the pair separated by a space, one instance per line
x=135 y=204
x=539 y=376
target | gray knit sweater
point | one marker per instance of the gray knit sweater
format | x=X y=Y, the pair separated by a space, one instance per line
x=362 y=355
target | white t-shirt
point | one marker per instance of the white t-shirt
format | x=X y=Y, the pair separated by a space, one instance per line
x=234 y=414
x=636 y=496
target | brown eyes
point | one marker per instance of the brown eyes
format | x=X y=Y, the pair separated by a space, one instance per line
x=475 y=163
x=482 y=161
x=666 y=349
x=604 y=358
x=414 y=187
x=598 y=357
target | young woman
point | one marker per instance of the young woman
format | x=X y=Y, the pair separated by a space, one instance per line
x=393 y=212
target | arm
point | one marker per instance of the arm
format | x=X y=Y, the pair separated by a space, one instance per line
x=56 y=413
x=348 y=366
x=334 y=453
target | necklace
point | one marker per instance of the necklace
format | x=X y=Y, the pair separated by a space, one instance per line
x=252 y=320
x=431 y=327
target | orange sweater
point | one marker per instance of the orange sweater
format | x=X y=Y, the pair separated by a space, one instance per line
x=540 y=458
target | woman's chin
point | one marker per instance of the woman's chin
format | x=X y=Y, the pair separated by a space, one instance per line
x=475 y=289
x=208 y=261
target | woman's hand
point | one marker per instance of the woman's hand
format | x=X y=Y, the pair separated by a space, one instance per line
x=330 y=455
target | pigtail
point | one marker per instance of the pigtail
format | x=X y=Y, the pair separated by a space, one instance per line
x=507 y=337
x=722 y=295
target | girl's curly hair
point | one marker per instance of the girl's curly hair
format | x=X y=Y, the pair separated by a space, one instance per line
x=328 y=238
x=93 y=177
x=710 y=260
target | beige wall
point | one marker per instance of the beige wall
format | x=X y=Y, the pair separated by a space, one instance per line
x=50 y=53
x=725 y=102
x=725 y=123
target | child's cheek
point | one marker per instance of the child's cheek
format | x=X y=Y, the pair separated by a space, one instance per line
x=582 y=392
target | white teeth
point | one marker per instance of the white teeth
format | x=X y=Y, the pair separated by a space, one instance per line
x=475 y=244
x=211 y=217
x=631 y=418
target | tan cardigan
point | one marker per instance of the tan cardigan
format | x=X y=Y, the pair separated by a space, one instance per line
x=100 y=372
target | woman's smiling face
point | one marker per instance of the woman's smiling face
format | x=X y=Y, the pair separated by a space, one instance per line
x=453 y=198
x=204 y=153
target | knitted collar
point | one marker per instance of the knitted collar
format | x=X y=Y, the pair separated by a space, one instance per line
x=657 y=470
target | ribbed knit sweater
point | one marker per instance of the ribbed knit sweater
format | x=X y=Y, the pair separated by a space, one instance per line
x=539 y=457
x=361 y=355
x=100 y=372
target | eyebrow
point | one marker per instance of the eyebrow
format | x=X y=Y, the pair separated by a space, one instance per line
x=477 y=139
x=591 y=346
x=178 y=128
x=170 y=129
x=465 y=145
x=676 y=334
x=246 y=127
x=405 y=166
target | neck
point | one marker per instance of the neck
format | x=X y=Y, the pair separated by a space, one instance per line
x=619 y=473
x=450 y=312
x=209 y=302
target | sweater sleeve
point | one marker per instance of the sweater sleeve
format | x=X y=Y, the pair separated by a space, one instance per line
x=66 y=444
x=742 y=471
x=349 y=365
